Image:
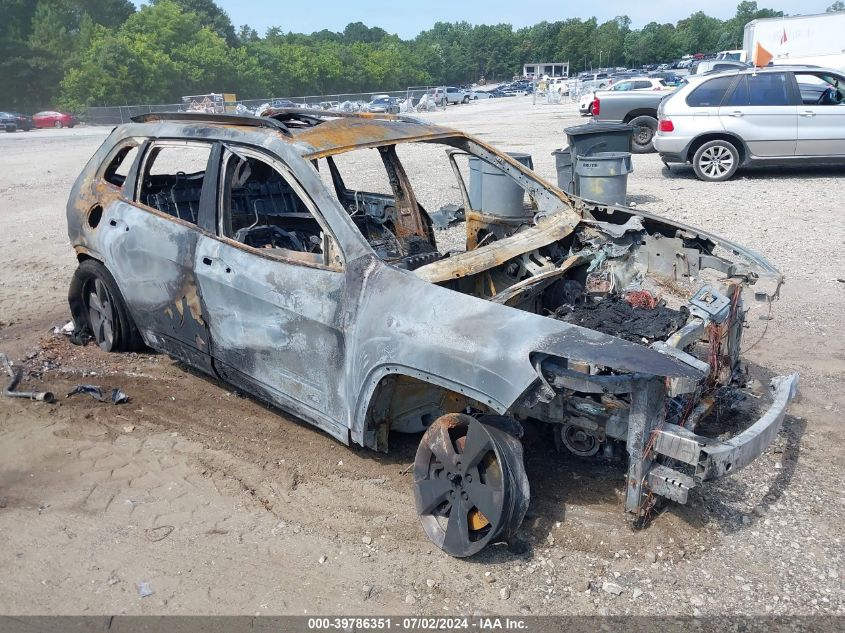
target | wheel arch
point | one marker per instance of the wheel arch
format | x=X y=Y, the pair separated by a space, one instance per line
x=393 y=395
x=633 y=114
x=733 y=139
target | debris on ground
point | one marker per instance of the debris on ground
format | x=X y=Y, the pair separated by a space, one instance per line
x=159 y=533
x=66 y=329
x=116 y=397
x=447 y=215
x=15 y=376
x=612 y=588
x=144 y=589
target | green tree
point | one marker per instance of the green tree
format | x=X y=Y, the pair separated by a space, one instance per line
x=836 y=6
x=211 y=16
x=746 y=11
x=91 y=52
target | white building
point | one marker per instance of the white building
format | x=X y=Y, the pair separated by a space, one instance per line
x=550 y=69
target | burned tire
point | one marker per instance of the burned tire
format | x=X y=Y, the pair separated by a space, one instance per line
x=716 y=161
x=99 y=311
x=470 y=486
x=645 y=127
x=465 y=100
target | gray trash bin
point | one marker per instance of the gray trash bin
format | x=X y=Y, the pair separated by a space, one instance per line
x=603 y=176
x=492 y=191
x=563 y=166
x=599 y=137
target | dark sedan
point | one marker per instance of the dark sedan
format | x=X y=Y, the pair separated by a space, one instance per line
x=8 y=122
x=24 y=122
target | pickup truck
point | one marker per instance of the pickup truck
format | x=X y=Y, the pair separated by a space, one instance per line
x=636 y=108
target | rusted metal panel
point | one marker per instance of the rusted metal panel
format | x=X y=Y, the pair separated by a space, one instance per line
x=490 y=255
x=339 y=135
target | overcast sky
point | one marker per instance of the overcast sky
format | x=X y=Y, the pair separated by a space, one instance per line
x=409 y=17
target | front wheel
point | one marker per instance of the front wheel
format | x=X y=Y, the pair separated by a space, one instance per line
x=57 y=125
x=716 y=161
x=465 y=100
x=645 y=127
x=99 y=311
x=470 y=486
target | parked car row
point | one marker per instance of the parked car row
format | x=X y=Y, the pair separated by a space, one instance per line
x=13 y=121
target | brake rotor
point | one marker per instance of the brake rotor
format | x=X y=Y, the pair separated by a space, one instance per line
x=470 y=487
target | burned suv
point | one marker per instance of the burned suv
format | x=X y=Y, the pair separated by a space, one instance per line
x=252 y=250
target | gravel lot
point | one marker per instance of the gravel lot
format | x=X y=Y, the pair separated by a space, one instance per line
x=223 y=506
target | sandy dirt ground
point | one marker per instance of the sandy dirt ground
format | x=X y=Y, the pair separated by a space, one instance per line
x=223 y=506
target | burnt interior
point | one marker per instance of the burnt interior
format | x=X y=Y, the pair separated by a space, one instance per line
x=397 y=226
x=264 y=210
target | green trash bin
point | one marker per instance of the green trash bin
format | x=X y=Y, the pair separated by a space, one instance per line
x=599 y=137
x=603 y=176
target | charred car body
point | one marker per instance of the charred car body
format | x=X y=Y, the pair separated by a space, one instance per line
x=236 y=245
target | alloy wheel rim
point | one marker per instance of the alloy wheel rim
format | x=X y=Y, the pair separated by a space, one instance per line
x=716 y=161
x=464 y=488
x=101 y=314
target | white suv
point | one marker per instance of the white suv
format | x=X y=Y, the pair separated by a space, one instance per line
x=776 y=114
x=445 y=95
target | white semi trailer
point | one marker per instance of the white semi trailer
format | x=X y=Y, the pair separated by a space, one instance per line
x=800 y=39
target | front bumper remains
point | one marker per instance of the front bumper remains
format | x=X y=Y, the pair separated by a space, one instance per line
x=665 y=459
x=711 y=459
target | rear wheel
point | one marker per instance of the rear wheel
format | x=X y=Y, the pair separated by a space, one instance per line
x=466 y=100
x=645 y=127
x=57 y=125
x=99 y=311
x=716 y=161
x=470 y=487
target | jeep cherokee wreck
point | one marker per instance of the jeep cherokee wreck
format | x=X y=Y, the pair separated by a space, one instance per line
x=236 y=245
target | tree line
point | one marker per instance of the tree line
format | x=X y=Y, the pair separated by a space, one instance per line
x=74 y=54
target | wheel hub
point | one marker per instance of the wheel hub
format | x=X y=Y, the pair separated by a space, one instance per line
x=579 y=441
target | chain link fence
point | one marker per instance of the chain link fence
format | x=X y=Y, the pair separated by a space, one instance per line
x=350 y=102
x=560 y=92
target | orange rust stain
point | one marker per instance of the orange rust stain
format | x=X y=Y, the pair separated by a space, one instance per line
x=193 y=301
